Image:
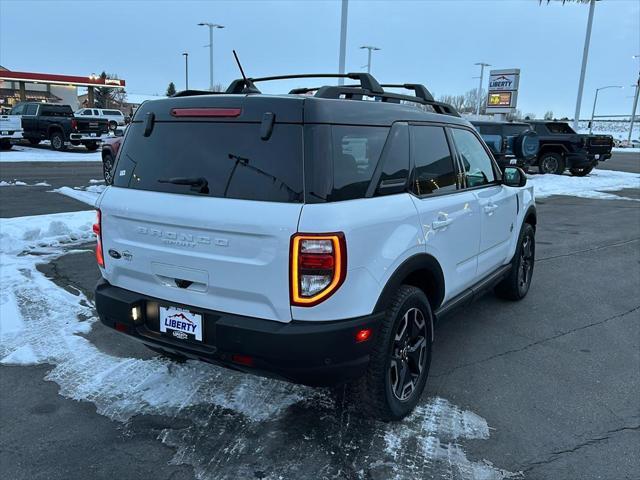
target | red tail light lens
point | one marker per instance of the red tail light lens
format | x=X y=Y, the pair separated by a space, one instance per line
x=97 y=229
x=318 y=267
x=74 y=124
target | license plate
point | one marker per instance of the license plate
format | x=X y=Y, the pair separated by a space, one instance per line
x=4 y=132
x=597 y=157
x=513 y=161
x=94 y=134
x=181 y=323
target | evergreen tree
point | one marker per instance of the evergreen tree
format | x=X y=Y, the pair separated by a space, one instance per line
x=171 y=89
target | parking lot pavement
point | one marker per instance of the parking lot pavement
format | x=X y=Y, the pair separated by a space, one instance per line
x=17 y=201
x=556 y=377
x=624 y=162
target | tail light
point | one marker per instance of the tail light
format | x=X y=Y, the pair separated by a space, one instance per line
x=97 y=229
x=74 y=124
x=318 y=267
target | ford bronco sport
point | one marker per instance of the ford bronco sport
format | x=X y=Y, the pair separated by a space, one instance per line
x=312 y=237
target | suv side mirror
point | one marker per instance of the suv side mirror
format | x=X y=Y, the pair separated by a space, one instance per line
x=514 y=177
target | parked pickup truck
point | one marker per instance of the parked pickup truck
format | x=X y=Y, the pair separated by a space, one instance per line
x=56 y=123
x=561 y=148
x=10 y=130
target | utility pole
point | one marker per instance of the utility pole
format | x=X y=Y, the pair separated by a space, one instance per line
x=585 y=55
x=186 y=70
x=343 y=40
x=595 y=100
x=211 y=27
x=635 y=105
x=369 y=48
x=482 y=65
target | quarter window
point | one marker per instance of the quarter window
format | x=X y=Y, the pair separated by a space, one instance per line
x=478 y=167
x=434 y=171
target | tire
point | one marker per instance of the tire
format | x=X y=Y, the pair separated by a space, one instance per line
x=581 y=172
x=374 y=393
x=516 y=285
x=113 y=125
x=107 y=168
x=5 y=145
x=551 y=163
x=57 y=141
x=34 y=141
x=91 y=146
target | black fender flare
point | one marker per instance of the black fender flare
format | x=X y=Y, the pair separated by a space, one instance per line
x=421 y=262
x=55 y=128
x=531 y=216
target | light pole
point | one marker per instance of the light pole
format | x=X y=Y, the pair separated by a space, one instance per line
x=595 y=100
x=211 y=27
x=585 y=55
x=370 y=48
x=343 y=40
x=186 y=70
x=482 y=65
x=635 y=104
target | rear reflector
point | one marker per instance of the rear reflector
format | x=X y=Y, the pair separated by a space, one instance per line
x=363 y=335
x=245 y=360
x=97 y=229
x=206 y=112
x=122 y=327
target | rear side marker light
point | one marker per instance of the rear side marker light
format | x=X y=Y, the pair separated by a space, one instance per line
x=363 y=335
x=317 y=267
x=206 y=112
x=245 y=360
x=97 y=230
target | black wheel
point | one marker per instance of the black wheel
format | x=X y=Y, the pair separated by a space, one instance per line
x=400 y=360
x=517 y=283
x=34 y=141
x=107 y=168
x=581 y=172
x=57 y=141
x=91 y=146
x=113 y=125
x=551 y=163
x=5 y=145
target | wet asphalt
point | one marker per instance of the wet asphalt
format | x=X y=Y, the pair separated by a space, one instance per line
x=556 y=376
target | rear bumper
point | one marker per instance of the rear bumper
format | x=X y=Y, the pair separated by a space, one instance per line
x=581 y=160
x=310 y=353
x=86 y=137
x=10 y=134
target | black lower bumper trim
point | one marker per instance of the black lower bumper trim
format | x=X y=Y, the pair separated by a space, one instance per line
x=311 y=353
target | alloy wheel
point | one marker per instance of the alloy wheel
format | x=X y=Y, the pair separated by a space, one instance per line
x=525 y=268
x=549 y=165
x=409 y=354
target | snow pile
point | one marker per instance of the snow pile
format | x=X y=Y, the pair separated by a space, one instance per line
x=592 y=186
x=20 y=153
x=88 y=195
x=18 y=183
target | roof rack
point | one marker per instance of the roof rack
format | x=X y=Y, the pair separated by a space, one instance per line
x=191 y=93
x=368 y=87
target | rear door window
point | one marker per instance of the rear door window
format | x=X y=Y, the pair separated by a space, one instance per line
x=231 y=157
x=434 y=170
x=31 y=109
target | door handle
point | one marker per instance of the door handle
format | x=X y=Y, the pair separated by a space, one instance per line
x=439 y=224
x=489 y=209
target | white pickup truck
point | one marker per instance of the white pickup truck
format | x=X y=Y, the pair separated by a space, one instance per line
x=10 y=130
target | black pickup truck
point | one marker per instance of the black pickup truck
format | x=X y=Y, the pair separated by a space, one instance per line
x=56 y=123
x=561 y=148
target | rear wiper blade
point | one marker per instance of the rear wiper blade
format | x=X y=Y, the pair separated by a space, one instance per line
x=200 y=183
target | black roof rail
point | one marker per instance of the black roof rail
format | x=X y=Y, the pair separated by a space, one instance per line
x=367 y=81
x=421 y=90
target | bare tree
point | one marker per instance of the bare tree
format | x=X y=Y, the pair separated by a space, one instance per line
x=548 y=115
x=106 y=96
x=456 y=101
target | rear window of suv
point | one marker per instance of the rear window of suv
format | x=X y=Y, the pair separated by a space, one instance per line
x=231 y=157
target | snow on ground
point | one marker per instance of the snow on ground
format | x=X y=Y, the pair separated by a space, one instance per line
x=626 y=150
x=22 y=153
x=220 y=416
x=592 y=186
x=87 y=195
x=18 y=183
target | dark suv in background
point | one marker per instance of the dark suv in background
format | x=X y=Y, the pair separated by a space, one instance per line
x=561 y=148
x=512 y=143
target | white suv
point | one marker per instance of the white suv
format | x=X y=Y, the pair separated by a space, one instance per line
x=311 y=238
x=115 y=117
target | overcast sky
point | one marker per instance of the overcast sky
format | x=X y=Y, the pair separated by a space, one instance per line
x=430 y=42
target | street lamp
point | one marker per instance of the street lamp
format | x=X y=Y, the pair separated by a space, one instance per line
x=186 y=70
x=583 y=70
x=370 y=48
x=342 y=54
x=635 y=104
x=595 y=100
x=211 y=27
x=482 y=65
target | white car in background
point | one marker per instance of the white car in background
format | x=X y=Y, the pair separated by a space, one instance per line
x=115 y=117
x=10 y=130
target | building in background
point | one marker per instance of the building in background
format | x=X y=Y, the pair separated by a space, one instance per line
x=46 y=87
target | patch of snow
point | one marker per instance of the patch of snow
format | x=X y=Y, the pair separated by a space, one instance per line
x=18 y=183
x=626 y=150
x=20 y=153
x=89 y=195
x=593 y=185
x=93 y=180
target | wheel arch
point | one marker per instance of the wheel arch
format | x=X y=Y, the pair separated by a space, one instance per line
x=531 y=217
x=552 y=148
x=55 y=128
x=422 y=271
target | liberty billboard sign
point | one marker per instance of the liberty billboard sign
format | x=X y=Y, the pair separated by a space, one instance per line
x=503 y=90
